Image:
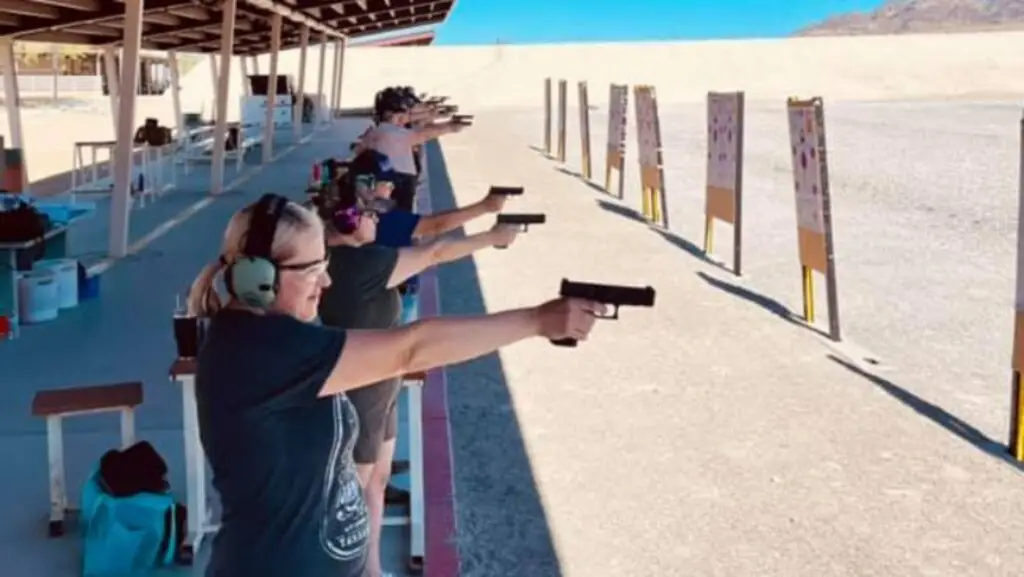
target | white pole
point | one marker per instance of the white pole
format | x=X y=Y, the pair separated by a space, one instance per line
x=113 y=84
x=55 y=57
x=220 y=130
x=213 y=77
x=12 y=104
x=179 y=121
x=275 y=48
x=301 y=90
x=342 y=46
x=246 y=89
x=255 y=64
x=120 y=202
x=334 y=78
x=321 y=103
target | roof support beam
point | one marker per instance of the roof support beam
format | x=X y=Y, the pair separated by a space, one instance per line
x=30 y=25
x=295 y=16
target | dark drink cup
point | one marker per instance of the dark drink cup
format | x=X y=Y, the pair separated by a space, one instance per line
x=186 y=336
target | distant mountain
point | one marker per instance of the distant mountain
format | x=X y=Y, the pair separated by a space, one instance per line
x=918 y=16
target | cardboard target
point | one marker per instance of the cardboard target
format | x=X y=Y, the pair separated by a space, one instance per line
x=723 y=195
x=615 y=153
x=584 y=103
x=813 y=203
x=648 y=137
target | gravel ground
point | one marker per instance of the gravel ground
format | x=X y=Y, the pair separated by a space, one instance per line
x=712 y=437
x=925 y=203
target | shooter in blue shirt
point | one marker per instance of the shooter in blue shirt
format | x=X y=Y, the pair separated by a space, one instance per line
x=398 y=228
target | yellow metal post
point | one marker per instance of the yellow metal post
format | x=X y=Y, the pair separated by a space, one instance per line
x=709 y=234
x=808 y=274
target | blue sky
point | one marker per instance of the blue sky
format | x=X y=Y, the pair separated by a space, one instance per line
x=541 y=21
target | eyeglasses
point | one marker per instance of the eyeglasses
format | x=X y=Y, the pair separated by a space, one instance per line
x=310 y=268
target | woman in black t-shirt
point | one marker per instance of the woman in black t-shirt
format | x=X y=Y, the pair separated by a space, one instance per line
x=270 y=388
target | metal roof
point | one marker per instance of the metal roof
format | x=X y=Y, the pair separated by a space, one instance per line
x=194 y=25
x=424 y=38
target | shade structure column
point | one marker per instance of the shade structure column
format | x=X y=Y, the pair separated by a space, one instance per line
x=334 y=79
x=213 y=77
x=179 y=121
x=301 y=89
x=342 y=46
x=121 y=200
x=268 y=126
x=220 y=130
x=12 y=104
x=243 y=61
x=321 y=103
x=255 y=64
x=113 y=84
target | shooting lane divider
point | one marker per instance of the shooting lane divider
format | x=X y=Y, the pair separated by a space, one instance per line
x=652 y=173
x=813 y=205
x=585 y=164
x=547 y=116
x=724 y=190
x=1016 y=441
x=563 y=105
x=615 y=154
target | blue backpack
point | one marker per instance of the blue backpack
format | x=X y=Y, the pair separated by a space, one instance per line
x=129 y=532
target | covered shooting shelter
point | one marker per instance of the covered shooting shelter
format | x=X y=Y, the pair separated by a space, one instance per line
x=223 y=27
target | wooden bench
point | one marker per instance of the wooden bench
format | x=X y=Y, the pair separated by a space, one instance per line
x=56 y=405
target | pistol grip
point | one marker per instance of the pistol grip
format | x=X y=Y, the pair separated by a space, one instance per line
x=565 y=342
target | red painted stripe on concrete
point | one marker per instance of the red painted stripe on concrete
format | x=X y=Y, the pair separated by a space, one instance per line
x=441 y=554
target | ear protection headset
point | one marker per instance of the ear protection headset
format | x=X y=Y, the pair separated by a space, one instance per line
x=253 y=277
x=346 y=220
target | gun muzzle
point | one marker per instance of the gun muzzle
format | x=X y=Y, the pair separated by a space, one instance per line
x=506 y=190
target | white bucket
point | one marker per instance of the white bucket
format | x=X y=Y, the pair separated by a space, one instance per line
x=65 y=270
x=38 y=297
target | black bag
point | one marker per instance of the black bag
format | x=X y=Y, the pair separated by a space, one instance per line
x=22 y=222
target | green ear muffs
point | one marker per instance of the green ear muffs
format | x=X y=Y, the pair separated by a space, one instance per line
x=252 y=278
x=253 y=281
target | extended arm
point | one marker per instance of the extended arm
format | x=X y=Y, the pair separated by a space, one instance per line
x=447 y=221
x=427 y=133
x=416 y=259
x=373 y=356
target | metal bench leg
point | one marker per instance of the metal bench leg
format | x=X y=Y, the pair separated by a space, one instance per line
x=58 y=489
x=127 y=427
x=417 y=527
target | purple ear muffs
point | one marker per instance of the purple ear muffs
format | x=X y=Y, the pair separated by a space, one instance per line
x=346 y=220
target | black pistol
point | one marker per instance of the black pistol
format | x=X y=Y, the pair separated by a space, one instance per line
x=525 y=220
x=609 y=294
x=464 y=119
x=506 y=190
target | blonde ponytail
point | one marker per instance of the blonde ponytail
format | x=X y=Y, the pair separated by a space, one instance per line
x=203 y=300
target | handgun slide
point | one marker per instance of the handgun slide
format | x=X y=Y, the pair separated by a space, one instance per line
x=506 y=190
x=609 y=294
x=523 y=219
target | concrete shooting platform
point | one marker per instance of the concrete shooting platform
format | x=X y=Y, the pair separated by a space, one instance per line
x=126 y=335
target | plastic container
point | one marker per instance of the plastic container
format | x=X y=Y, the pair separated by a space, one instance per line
x=66 y=272
x=38 y=297
x=88 y=286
